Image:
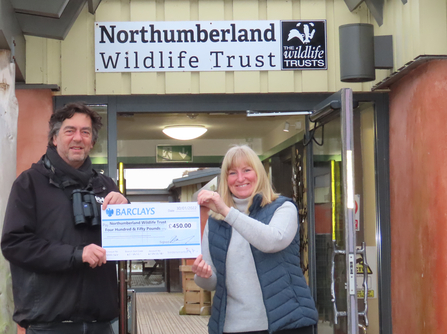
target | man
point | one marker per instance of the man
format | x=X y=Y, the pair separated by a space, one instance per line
x=52 y=234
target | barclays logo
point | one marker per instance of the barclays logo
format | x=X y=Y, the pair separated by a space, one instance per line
x=109 y=212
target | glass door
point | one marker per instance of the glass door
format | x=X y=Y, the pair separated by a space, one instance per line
x=98 y=154
x=346 y=291
x=329 y=229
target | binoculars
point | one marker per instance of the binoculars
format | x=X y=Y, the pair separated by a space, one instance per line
x=85 y=208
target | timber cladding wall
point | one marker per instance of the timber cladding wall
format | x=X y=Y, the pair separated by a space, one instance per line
x=71 y=64
x=417 y=28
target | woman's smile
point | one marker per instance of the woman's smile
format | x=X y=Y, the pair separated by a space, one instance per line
x=242 y=180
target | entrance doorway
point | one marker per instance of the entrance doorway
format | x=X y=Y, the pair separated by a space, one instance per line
x=319 y=168
x=314 y=173
x=330 y=235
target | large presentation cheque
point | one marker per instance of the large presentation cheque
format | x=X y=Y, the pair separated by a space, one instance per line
x=142 y=231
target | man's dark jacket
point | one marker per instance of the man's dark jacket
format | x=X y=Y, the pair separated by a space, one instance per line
x=44 y=248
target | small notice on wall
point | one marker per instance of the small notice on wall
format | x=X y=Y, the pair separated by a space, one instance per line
x=371 y=273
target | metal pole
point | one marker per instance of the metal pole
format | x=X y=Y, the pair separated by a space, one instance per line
x=348 y=193
x=122 y=268
x=312 y=253
x=311 y=213
x=123 y=297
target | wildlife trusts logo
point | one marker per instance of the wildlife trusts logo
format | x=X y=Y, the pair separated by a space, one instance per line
x=306 y=36
x=304 y=45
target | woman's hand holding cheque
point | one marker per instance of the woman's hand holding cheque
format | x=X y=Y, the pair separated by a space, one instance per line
x=213 y=201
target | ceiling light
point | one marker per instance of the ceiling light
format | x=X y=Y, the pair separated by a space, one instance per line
x=184 y=132
x=287 y=125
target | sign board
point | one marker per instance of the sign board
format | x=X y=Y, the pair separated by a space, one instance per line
x=371 y=270
x=160 y=46
x=174 y=153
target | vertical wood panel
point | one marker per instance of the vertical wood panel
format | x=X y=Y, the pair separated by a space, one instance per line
x=247 y=82
x=143 y=10
x=194 y=10
x=212 y=82
x=413 y=26
x=262 y=10
x=195 y=82
x=333 y=53
x=279 y=10
x=245 y=10
x=161 y=83
x=402 y=40
x=125 y=83
x=228 y=10
x=108 y=83
x=263 y=77
x=210 y=10
x=314 y=80
x=406 y=19
x=178 y=82
x=77 y=64
x=36 y=55
x=281 y=81
x=113 y=10
x=54 y=61
x=229 y=82
x=433 y=27
x=177 y=10
x=144 y=83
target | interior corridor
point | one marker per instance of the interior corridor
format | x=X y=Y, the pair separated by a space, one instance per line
x=158 y=313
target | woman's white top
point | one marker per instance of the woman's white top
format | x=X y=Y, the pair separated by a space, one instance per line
x=245 y=309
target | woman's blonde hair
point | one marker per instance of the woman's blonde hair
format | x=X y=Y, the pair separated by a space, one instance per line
x=236 y=156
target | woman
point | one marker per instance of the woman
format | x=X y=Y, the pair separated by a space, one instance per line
x=250 y=254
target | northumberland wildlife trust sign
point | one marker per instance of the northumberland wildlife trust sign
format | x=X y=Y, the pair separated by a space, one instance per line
x=210 y=46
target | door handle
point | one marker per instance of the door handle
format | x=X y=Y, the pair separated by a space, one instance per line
x=335 y=251
x=363 y=327
x=364 y=313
